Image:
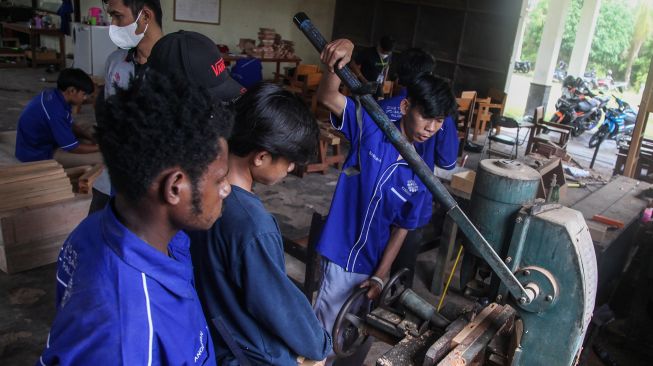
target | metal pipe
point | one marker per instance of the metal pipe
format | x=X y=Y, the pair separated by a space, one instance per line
x=420 y=168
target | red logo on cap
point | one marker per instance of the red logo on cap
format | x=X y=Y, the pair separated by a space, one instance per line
x=218 y=67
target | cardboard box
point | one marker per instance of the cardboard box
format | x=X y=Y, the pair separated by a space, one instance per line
x=463 y=181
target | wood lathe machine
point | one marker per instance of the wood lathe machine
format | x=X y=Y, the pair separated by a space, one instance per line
x=540 y=256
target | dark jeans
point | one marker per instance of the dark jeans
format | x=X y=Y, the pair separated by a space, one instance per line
x=98 y=202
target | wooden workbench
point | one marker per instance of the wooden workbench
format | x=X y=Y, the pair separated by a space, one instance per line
x=620 y=199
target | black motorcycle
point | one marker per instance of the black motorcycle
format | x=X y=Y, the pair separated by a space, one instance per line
x=523 y=66
x=578 y=107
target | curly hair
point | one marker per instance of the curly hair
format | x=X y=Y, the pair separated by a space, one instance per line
x=275 y=120
x=158 y=123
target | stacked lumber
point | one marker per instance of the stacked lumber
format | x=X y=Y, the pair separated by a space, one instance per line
x=270 y=45
x=35 y=183
x=38 y=209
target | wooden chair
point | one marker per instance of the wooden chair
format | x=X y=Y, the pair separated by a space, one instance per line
x=483 y=116
x=329 y=154
x=498 y=100
x=466 y=104
x=299 y=73
x=303 y=249
x=547 y=133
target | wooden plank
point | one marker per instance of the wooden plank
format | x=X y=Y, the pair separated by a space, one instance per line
x=37 y=200
x=33 y=184
x=28 y=166
x=77 y=170
x=474 y=324
x=32 y=193
x=52 y=219
x=26 y=176
x=9 y=191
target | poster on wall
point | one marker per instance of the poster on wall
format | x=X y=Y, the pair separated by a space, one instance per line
x=197 y=11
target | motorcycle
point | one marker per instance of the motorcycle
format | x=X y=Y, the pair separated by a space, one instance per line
x=523 y=66
x=618 y=122
x=578 y=107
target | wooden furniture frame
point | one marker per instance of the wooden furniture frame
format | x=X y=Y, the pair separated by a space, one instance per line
x=543 y=133
x=303 y=249
x=34 y=39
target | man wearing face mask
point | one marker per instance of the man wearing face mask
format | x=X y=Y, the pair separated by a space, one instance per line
x=135 y=29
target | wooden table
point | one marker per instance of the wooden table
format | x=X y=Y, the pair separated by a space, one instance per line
x=278 y=61
x=34 y=40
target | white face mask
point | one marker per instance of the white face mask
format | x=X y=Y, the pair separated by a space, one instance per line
x=126 y=37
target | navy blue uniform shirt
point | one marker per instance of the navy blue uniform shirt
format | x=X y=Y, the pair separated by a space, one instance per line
x=122 y=302
x=45 y=125
x=446 y=139
x=365 y=206
x=241 y=278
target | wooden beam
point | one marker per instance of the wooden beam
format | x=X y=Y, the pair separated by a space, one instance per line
x=645 y=107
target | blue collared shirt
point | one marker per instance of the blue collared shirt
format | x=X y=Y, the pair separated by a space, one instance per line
x=45 y=124
x=446 y=139
x=365 y=206
x=122 y=302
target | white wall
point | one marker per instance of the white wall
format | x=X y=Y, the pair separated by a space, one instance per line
x=242 y=19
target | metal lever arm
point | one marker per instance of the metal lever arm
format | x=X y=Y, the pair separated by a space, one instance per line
x=420 y=168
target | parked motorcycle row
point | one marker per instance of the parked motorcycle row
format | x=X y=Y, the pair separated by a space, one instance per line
x=583 y=110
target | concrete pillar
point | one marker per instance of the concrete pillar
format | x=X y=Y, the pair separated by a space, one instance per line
x=547 y=55
x=584 y=35
x=517 y=46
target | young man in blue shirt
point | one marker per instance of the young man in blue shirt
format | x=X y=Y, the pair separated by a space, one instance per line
x=412 y=63
x=239 y=263
x=125 y=291
x=46 y=129
x=372 y=211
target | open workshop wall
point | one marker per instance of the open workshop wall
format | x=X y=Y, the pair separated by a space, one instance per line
x=472 y=40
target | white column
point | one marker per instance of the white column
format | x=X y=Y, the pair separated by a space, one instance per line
x=584 y=35
x=519 y=39
x=547 y=54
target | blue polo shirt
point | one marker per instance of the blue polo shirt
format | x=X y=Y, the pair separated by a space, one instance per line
x=446 y=139
x=122 y=302
x=45 y=125
x=365 y=206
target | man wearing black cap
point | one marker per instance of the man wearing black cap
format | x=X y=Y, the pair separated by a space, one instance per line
x=197 y=58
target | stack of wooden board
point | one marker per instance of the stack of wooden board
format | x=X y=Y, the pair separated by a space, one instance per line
x=38 y=209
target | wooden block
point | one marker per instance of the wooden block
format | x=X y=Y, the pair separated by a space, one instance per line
x=31 y=237
x=463 y=181
x=86 y=180
x=597 y=231
x=14 y=168
x=31 y=255
x=471 y=327
x=24 y=225
x=608 y=221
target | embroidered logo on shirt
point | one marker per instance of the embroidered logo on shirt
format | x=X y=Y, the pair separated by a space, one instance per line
x=373 y=156
x=116 y=77
x=412 y=186
x=200 y=351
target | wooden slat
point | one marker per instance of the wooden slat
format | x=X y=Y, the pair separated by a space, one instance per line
x=31 y=185
x=37 y=200
x=28 y=166
x=26 y=176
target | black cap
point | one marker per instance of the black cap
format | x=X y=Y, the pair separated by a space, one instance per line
x=197 y=58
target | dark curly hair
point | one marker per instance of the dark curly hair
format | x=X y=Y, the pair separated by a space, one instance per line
x=275 y=120
x=159 y=123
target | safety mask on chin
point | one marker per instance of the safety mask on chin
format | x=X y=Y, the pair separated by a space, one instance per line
x=126 y=37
